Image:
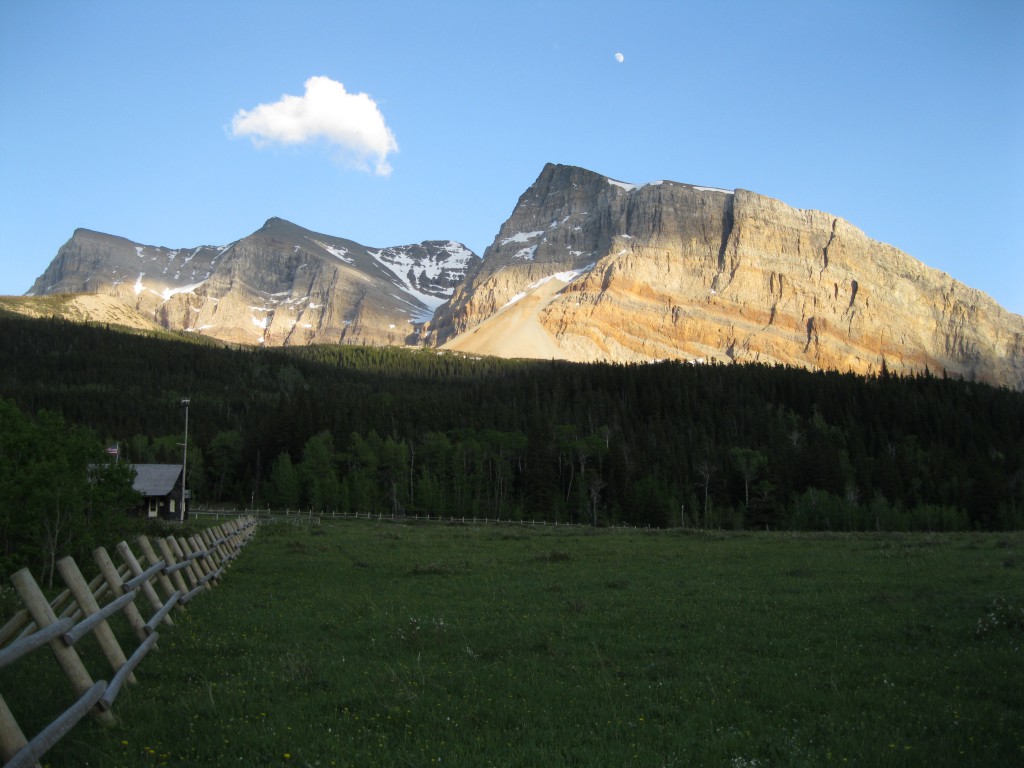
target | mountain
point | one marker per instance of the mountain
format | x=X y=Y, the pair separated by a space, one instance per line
x=589 y=268
x=586 y=268
x=281 y=285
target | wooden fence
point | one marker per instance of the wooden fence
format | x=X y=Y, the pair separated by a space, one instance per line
x=308 y=516
x=183 y=569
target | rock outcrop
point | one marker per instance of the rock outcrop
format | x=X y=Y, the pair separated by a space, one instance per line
x=280 y=285
x=671 y=270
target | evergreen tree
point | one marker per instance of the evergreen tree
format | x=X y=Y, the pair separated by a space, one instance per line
x=319 y=475
x=283 y=490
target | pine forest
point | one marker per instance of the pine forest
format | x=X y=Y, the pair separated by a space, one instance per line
x=414 y=432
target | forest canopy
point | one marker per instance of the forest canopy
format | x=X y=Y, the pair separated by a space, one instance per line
x=389 y=430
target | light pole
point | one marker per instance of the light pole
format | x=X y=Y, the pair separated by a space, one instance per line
x=184 y=461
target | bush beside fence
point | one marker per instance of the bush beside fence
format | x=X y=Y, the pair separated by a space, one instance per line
x=168 y=579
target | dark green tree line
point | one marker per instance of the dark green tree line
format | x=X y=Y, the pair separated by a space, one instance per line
x=410 y=432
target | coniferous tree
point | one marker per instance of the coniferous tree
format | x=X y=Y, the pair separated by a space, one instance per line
x=283 y=489
x=319 y=474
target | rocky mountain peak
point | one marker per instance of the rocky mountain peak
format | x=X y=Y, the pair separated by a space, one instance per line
x=591 y=268
x=282 y=284
x=279 y=227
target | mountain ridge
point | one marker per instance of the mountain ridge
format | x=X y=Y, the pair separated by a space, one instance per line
x=673 y=270
x=585 y=268
x=282 y=284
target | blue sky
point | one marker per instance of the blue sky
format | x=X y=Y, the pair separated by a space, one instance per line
x=904 y=118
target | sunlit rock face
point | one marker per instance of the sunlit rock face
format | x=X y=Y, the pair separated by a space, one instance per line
x=281 y=285
x=670 y=270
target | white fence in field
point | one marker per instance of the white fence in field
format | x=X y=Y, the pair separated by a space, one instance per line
x=183 y=569
x=309 y=516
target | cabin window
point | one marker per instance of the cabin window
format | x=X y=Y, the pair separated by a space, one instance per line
x=154 y=507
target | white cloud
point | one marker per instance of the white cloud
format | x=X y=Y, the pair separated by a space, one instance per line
x=350 y=121
x=619 y=58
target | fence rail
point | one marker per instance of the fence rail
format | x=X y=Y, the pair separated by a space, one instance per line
x=299 y=516
x=183 y=569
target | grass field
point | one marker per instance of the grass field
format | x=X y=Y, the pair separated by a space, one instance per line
x=374 y=644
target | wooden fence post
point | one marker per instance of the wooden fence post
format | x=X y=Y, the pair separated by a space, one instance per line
x=236 y=532
x=12 y=739
x=179 y=552
x=171 y=560
x=222 y=543
x=109 y=571
x=152 y=559
x=147 y=589
x=202 y=560
x=69 y=571
x=209 y=537
x=13 y=626
x=229 y=541
x=34 y=600
x=207 y=540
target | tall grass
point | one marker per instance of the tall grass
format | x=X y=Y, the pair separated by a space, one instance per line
x=370 y=644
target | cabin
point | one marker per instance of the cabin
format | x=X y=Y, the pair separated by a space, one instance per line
x=160 y=486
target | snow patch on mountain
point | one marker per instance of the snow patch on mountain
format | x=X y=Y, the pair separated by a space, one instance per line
x=427 y=272
x=522 y=237
x=526 y=254
x=632 y=187
x=565 y=277
x=339 y=253
x=167 y=293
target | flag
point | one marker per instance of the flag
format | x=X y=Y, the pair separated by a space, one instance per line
x=114 y=450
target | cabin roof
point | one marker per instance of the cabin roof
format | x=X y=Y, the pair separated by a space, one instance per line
x=156 y=479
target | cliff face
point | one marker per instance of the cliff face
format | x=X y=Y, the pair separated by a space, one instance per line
x=280 y=285
x=669 y=270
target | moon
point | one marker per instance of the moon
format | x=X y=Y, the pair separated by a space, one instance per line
x=619 y=58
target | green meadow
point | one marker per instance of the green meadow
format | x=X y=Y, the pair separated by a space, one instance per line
x=360 y=643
